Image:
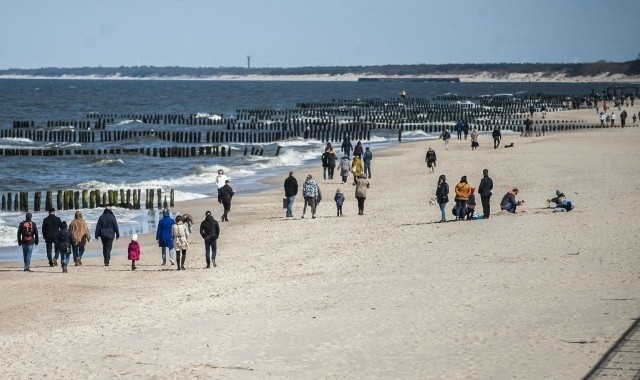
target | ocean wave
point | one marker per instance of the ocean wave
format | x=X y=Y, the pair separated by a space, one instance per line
x=204 y=115
x=127 y=122
x=62 y=145
x=109 y=162
x=17 y=140
x=299 y=141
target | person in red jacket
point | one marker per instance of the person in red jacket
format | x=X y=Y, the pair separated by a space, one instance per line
x=133 y=251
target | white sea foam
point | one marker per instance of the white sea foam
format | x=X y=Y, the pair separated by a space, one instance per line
x=17 y=140
x=127 y=122
x=108 y=162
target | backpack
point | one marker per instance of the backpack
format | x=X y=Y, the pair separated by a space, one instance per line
x=27 y=232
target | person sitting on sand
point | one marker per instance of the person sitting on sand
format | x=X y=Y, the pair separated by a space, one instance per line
x=509 y=203
x=562 y=204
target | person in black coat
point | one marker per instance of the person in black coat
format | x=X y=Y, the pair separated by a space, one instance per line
x=50 y=228
x=486 y=185
x=497 y=136
x=107 y=230
x=226 y=193
x=290 y=192
x=210 y=231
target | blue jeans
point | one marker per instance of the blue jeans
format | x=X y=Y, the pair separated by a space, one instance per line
x=210 y=247
x=164 y=255
x=290 y=201
x=509 y=208
x=64 y=257
x=78 y=251
x=367 y=170
x=27 y=250
x=443 y=218
x=461 y=209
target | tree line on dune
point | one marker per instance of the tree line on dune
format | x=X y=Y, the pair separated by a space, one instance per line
x=496 y=69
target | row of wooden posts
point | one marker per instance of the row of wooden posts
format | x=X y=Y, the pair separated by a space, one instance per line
x=86 y=199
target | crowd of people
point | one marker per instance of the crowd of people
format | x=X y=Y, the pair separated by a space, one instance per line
x=65 y=242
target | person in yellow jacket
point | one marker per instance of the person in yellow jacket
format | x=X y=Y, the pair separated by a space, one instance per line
x=357 y=166
x=463 y=190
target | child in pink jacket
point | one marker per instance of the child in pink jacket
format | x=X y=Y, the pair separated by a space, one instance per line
x=134 y=251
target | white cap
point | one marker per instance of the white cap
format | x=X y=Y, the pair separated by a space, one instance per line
x=134 y=237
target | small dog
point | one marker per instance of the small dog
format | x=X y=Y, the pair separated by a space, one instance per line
x=433 y=201
x=509 y=145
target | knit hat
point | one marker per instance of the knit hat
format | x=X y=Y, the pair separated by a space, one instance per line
x=134 y=237
x=207 y=213
x=28 y=216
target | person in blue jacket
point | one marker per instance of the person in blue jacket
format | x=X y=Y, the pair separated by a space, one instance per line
x=165 y=237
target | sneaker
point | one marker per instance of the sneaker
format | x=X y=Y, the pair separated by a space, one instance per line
x=55 y=262
x=179 y=268
x=51 y=264
x=302 y=217
x=76 y=263
x=214 y=264
x=27 y=270
x=207 y=267
x=163 y=264
x=79 y=260
x=313 y=216
x=172 y=262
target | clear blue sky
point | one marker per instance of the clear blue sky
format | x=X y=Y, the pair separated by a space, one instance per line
x=293 y=33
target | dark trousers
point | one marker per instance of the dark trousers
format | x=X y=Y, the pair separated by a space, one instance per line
x=486 y=205
x=107 y=243
x=210 y=248
x=226 y=203
x=50 y=245
x=330 y=169
x=361 y=205
x=496 y=143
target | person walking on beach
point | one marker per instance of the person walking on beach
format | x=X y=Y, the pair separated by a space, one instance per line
x=311 y=193
x=459 y=129
x=133 y=251
x=50 y=228
x=497 y=136
x=345 y=167
x=362 y=184
x=430 y=159
x=462 y=196
x=486 y=185
x=339 y=199
x=290 y=192
x=27 y=238
x=442 y=197
x=602 y=119
x=446 y=136
x=220 y=181
x=613 y=119
x=357 y=150
x=623 y=118
x=210 y=232
x=325 y=162
x=357 y=166
x=80 y=236
x=366 y=158
x=346 y=146
x=64 y=246
x=107 y=230
x=226 y=193
x=331 y=162
x=164 y=237
x=465 y=129
x=474 y=139
x=180 y=235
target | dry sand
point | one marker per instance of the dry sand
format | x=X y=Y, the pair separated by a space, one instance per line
x=389 y=294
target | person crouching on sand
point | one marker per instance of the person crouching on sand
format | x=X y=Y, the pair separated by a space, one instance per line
x=133 y=251
x=509 y=203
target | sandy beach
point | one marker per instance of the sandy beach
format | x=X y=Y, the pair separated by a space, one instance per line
x=390 y=294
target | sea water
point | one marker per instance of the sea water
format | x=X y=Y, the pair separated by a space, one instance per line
x=40 y=100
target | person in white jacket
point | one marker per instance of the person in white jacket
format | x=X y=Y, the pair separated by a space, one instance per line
x=220 y=180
